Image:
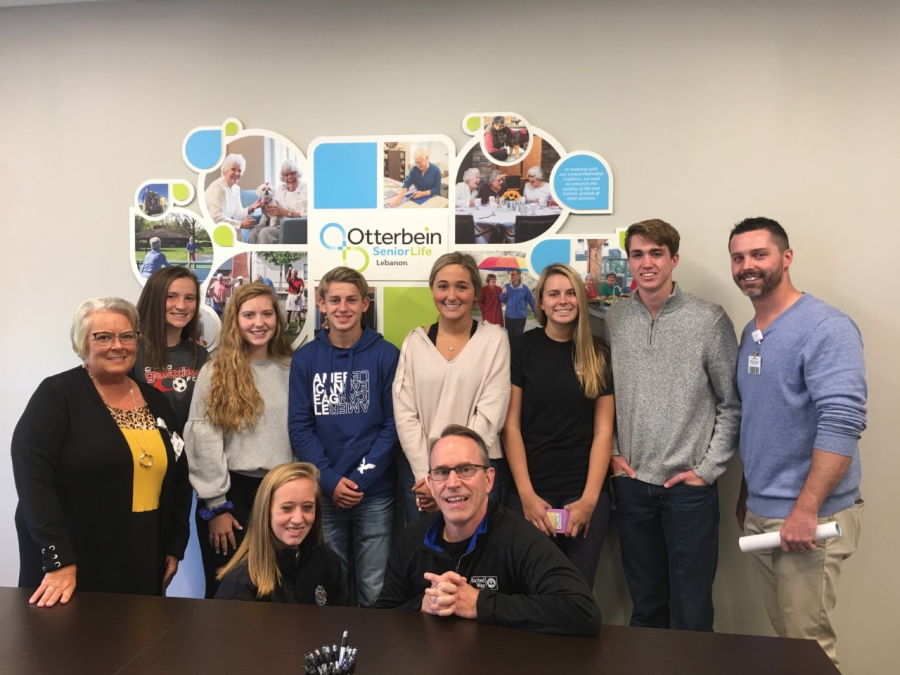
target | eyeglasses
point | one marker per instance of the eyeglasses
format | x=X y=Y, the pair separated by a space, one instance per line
x=105 y=338
x=289 y=174
x=442 y=473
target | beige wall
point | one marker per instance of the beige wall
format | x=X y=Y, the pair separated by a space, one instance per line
x=708 y=111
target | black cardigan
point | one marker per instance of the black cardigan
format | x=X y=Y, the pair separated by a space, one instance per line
x=73 y=471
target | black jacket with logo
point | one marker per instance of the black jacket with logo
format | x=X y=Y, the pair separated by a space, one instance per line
x=312 y=578
x=524 y=581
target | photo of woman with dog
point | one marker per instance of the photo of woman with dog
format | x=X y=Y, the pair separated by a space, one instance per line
x=271 y=190
x=288 y=201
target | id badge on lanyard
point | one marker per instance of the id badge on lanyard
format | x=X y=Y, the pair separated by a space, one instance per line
x=754 y=362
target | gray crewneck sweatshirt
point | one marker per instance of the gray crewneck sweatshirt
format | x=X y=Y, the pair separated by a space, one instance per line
x=252 y=452
x=677 y=406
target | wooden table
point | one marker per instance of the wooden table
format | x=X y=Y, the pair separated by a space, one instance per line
x=99 y=633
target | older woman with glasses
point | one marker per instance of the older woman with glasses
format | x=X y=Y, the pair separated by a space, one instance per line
x=104 y=497
x=494 y=187
x=289 y=202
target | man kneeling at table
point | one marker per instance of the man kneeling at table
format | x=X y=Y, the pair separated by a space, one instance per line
x=478 y=560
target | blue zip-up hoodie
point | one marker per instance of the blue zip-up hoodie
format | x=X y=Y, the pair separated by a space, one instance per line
x=341 y=412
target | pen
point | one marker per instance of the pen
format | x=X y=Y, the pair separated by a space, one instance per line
x=343 y=648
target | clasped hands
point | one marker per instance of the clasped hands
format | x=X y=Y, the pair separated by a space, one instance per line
x=450 y=594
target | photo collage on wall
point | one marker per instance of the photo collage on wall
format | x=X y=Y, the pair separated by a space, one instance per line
x=388 y=206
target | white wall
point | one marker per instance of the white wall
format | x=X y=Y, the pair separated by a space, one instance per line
x=707 y=111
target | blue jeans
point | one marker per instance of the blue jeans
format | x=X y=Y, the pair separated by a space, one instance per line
x=670 y=549
x=407 y=480
x=367 y=528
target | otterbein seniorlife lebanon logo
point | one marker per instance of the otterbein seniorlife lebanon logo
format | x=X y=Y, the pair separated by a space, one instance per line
x=391 y=248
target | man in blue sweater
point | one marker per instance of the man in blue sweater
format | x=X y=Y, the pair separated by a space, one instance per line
x=341 y=418
x=801 y=376
x=518 y=299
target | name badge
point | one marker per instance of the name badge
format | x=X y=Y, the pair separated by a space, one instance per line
x=177 y=445
x=754 y=364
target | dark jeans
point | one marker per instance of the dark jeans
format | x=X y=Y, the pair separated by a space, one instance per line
x=583 y=552
x=515 y=327
x=670 y=550
x=242 y=491
x=411 y=511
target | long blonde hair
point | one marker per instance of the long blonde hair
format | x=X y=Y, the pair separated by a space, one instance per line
x=258 y=551
x=589 y=359
x=234 y=403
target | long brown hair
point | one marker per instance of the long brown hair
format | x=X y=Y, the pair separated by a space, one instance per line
x=590 y=362
x=234 y=403
x=151 y=308
x=258 y=551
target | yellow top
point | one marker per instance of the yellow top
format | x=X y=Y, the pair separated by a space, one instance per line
x=145 y=440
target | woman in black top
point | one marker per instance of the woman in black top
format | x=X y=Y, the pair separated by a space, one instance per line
x=282 y=558
x=558 y=432
x=103 y=487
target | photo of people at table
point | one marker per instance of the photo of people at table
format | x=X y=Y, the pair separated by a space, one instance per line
x=416 y=174
x=259 y=189
x=505 y=204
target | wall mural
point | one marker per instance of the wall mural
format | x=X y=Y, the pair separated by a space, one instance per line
x=387 y=206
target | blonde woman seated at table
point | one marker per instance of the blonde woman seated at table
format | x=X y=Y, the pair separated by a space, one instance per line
x=536 y=189
x=289 y=202
x=282 y=558
x=455 y=371
x=466 y=190
x=223 y=196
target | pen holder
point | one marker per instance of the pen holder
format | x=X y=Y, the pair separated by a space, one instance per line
x=331 y=660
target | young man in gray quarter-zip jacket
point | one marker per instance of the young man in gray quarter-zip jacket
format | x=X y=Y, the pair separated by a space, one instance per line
x=678 y=418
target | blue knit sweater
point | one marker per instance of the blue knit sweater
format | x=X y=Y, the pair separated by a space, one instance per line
x=810 y=393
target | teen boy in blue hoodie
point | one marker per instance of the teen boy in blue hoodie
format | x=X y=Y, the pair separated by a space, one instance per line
x=341 y=418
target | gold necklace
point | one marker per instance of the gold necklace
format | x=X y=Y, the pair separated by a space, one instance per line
x=447 y=338
x=145 y=461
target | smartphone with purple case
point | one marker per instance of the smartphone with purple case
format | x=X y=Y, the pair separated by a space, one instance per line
x=559 y=519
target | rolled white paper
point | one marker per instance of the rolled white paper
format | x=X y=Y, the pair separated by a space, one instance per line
x=758 y=542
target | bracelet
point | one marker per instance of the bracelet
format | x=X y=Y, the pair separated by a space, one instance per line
x=209 y=514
